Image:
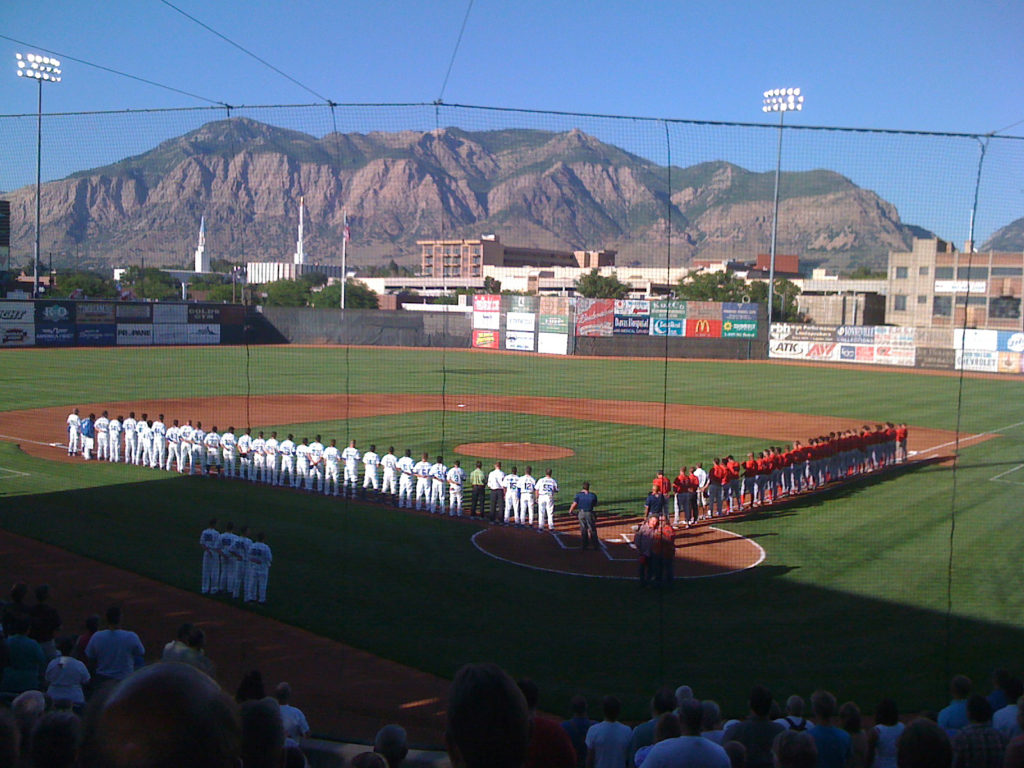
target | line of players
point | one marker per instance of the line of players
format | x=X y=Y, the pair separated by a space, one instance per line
x=234 y=564
x=730 y=486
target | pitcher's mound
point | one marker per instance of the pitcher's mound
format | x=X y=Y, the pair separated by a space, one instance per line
x=516 y=451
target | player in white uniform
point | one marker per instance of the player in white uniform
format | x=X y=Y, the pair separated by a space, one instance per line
x=332 y=468
x=351 y=457
x=271 y=449
x=209 y=540
x=259 y=561
x=315 y=482
x=240 y=550
x=456 y=480
x=244 y=447
x=405 y=469
x=185 y=447
x=287 y=451
x=173 y=444
x=158 y=453
x=547 y=487
x=74 y=432
x=102 y=426
x=371 y=460
x=301 y=464
x=527 y=489
x=130 y=436
x=145 y=445
x=228 y=442
x=511 y=485
x=388 y=485
x=438 y=485
x=259 y=459
x=198 y=448
x=212 y=443
x=114 y=432
x=141 y=426
x=422 y=472
x=225 y=547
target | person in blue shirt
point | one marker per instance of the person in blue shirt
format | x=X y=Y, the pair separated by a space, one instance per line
x=88 y=429
x=583 y=505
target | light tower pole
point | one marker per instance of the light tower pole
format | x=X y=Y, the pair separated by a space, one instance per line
x=781 y=100
x=41 y=69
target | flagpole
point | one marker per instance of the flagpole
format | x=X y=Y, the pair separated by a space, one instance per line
x=344 y=242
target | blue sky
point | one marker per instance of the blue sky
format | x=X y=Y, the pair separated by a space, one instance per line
x=910 y=64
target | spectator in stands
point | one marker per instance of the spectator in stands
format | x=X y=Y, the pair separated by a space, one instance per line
x=15 y=607
x=850 y=721
x=488 y=724
x=687 y=750
x=833 y=743
x=45 y=622
x=1015 y=749
x=1004 y=720
x=392 y=744
x=667 y=728
x=577 y=726
x=795 y=749
x=608 y=741
x=251 y=687
x=25 y=660
x=683 y=693
x=549 y=744
x=924 y=745
x=757 y=732
x=10 y=740
x=195 y=653
x=711 y=723
x=369 y=760
x=27 y=708
x=793 y=719
x=884 y=737
x=176 y=649
x=953 y=717
x=66 y=677
x=92 y=625
x=978 y=744
x=114 y=653
x=292 y=718
x=999 y=697
x=664 y=700
x=737 y=754
x=262 y=733
x=55 y=740
x=164 y=716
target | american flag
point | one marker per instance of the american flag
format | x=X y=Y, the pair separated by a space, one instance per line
x=348 y=234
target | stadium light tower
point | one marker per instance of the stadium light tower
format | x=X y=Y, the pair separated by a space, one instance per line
x=781 y=100
x=40 y=69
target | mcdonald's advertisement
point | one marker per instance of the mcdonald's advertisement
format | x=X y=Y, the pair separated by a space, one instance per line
x=703 y=329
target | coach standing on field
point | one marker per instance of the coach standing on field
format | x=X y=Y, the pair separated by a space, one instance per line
x=494 y=480
x=583 y=505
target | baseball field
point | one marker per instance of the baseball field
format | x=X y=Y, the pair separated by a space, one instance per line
x=883 y=586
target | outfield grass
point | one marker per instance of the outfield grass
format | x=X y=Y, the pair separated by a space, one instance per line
x=852 y=594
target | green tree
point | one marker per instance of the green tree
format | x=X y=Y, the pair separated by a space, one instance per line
x=357 y=296
x=286 y=293
x=596 y=286
x=784 y=308
x=223 y=292
x=712 y=286
x=867 y=273
x=491 y=286
x=91 y=285
x=151 y=283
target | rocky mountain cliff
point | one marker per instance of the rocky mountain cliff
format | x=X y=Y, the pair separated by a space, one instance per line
x=1008 y=238
x=532 y=188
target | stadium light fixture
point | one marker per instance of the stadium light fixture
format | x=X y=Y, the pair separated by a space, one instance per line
x=40 y=69
x=781 y=100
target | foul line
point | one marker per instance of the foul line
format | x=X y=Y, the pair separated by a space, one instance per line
x=969 y=438
x=998 y=478
x=13 y=472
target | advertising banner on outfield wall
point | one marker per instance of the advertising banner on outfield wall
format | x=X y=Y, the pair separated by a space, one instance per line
x=486 y=302
x=732 y=310
x=55 y=334
x=19 y=312
x=942 y=358
x=631 y=325
x=669 y=309
x=100 y=312
x=17 y=334
x=170 y=313
x=49 y=312
x=488 y=321
x=977 y=360
x=516 y=303
x=520 y=321
x=667 y=326
x=934 y=337
x=824 y=351
x=856 y=334
x=975 y=339
x=893 y=336
x=739 y=329
x=203 y=333
x=702 y=328
x=792 y=350
x=1010 y=362
x=901 y=356
x=170 y=333
x=794 y=332
x=553 y=343
x=519 y=341
x=134 y=334
x=204 y=313
x=1010 y=341
x=704 y=310
x=96 y=334
x=553 y=324
x=137 y=313
x=626 y=307
x=485 y=339
x=554 y=305
x=594 y=317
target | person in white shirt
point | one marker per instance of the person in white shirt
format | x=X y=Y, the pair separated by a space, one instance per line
x=287 y=451
x=527 y=491
x=405 y=478
x=240 y=550
x=212 y=443
x=74 y=433
x=422 y=472
x=142 y=425
x=159 y=450
x=510 y=484
x=173 y=444
x=301 y=464
x=145 y=443
x=259 y=459
x=244 y=448
x=198 y=448
x=438 y=484
x=102 y=427
x=209 y=541
x=114 y=438
x=66 y=675
x=691 y=750
x=271 y=450
x=388 y=485
x=456 y=481
x=315 y=479
x=130 y=436
x=702 y=490
x=185 y=448
x=494 y=480
x=332 y=468
x=294 y=722
x=258 y=561
x=228 y=442
x=351 y=458
x=547 y=487
x=608 y=741
x=371 y=460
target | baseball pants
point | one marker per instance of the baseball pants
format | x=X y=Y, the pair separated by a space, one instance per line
x=230 y=464
x=173 y=457
x=437 y=496
x=331 y=476
x=101 y=446
x=422 y=492
x=405 y=491
x=512 y=506
x=159 y=454
x=546 y=508
x=145 y=453
x=211 y=572
x=115 y=448
x=130 y=441
x=388 y=483
x=370 y=478
x=315 y=478
x=455 y=500
x=526 y=509
x=351 y=479
x=72 y=441
x=259 y=468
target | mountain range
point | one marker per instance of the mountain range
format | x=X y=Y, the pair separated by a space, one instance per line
x=533 y=188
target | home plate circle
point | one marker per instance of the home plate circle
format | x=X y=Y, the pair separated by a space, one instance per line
x=517 y=451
